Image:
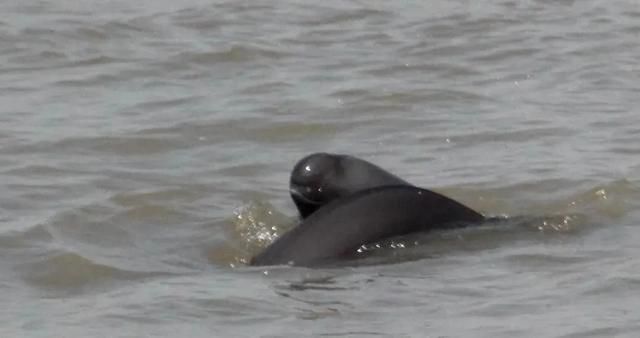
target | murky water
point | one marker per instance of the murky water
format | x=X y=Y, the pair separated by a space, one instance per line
x=145 y=149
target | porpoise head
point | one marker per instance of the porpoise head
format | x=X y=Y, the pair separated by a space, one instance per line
x=320 y=178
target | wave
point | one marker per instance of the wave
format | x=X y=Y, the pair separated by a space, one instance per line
x=257 y=224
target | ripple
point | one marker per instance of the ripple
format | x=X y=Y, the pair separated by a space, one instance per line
x=233 y=54
x=275 y=132
x=38 y=171
x=124 y=145
x=70 y=271
x=197 y=18
x=511 y=136
x=254 y=226
x=33 y=236
x=616 y=285
x=545 y=260
x=160 y=196
x=505 y=55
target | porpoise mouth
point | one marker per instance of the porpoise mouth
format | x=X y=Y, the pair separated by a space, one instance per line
x=298 y=192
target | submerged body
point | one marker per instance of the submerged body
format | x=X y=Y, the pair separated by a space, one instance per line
x=367 y=216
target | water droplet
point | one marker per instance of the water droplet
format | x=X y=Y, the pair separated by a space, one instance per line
x=602 y=193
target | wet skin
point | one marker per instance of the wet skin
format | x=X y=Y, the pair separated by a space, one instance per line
x=339 y=228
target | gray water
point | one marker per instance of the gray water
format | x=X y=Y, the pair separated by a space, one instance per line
x=145 y=149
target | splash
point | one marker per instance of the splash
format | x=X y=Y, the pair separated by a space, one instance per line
x=253 y=227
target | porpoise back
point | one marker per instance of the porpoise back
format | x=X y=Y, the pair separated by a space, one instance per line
x=342 y=226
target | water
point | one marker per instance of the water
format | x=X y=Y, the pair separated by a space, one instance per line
x=145 y=150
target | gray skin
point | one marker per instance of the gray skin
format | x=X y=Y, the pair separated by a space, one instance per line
x=346 y=202
x=339 y=228
x=320 y=178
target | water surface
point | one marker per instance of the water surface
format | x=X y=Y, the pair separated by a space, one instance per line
x=145 y=150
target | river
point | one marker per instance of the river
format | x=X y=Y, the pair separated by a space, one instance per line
x=145 y=151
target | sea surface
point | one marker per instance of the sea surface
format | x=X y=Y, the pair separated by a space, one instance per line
x=146 y=146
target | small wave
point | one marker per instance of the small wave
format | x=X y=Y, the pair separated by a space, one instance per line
x=499 y=56
x=257 y=224
x=512 y=136
x=557 y=200
x=325 y=16
x=68 y=270
x=157 y=196
x=30 y=170
x=266 y=87
x=282 y=132
x=237 y=53
x=123 y=145
x=20 y=239
x=199 y=19
x=169 y=103
x=157 y=213
x=610 y=200
x=254 y=226
x=545 y=259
